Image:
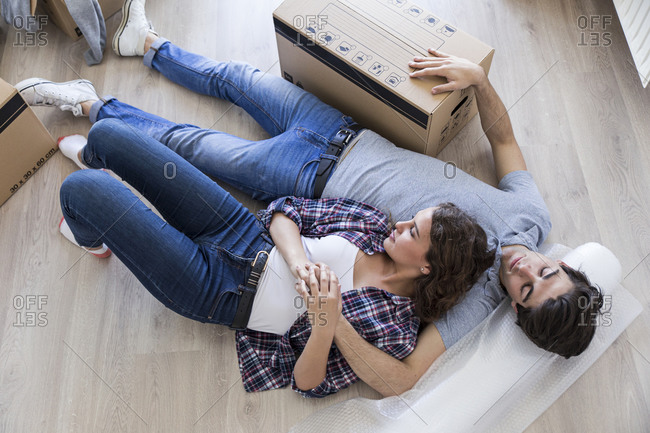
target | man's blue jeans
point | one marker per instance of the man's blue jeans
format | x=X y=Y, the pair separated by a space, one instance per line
x=192 y=261
x=300 y=125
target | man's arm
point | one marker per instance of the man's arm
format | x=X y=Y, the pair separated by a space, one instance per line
x=385 y=374
x=461 y=73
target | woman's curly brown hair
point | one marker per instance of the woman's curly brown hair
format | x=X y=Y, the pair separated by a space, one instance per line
x=458 y=256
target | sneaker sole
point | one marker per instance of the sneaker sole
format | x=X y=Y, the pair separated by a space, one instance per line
x=126 y=7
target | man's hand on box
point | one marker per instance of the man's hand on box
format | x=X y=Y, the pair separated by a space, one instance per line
x=460 y=73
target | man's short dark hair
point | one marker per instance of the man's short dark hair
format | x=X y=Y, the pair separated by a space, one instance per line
x=564 y=325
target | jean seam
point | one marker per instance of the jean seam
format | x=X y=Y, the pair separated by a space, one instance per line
x=219 y=76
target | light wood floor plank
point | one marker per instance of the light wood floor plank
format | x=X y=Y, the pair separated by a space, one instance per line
x=112 y=359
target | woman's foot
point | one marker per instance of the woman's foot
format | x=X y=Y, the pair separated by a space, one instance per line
x=67 y=96
x=134 y=34
x=101 y=252
x=71 y=146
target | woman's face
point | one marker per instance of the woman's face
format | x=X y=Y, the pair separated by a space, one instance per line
x=410 y=240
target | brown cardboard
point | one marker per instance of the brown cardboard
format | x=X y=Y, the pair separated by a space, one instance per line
x=57 y=11
x=25 y=144
x=354 y=54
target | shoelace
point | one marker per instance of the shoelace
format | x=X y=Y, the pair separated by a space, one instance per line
x=50 y=97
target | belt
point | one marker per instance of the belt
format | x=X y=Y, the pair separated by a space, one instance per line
x=336 y=147
x=247 y=290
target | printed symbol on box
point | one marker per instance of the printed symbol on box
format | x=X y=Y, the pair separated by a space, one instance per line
x=394 y=79
x=413 y=10
x=430 y=20
x=456 y=120
x=444 y=132
x=360 y=58
x=310 y=29
x=447 y=30
x=377 y=68
x=344 y=48
x=327 y=37
x=398 y=3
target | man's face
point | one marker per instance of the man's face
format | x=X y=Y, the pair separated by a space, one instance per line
x=531 y=278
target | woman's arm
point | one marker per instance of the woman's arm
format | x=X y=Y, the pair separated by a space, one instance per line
x=286 y=237
x=324 y=308
x=385 y=374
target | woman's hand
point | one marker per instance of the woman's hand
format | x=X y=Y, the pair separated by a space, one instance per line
x=460 y=73
x=300 y=270
x=323 y=299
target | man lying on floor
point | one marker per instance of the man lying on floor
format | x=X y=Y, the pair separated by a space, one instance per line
x=551 y=299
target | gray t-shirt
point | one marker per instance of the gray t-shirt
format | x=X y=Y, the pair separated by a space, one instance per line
x=401 y=182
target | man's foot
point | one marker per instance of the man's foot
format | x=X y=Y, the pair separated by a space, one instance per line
x=67 y=96
x=71 y=146
x=100 y=252
x=129 y=40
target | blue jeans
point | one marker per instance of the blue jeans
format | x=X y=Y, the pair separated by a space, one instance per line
x=300 y=125
x=192 y=261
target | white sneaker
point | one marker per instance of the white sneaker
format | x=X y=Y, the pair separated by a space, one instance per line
x=67 y=96
x=133 y=29
x=64 y=228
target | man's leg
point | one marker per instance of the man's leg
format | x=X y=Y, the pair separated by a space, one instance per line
x=273 y=102
x=267 y=169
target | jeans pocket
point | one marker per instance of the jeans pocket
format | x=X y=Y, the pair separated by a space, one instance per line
x=315 y=139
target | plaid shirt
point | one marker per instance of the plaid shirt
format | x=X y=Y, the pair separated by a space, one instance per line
x=388 y=321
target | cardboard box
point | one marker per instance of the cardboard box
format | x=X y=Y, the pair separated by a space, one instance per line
x=25 y=144
x=57 y=11
x=354 y=54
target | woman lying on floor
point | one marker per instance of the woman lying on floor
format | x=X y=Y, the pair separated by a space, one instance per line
x=211 y=260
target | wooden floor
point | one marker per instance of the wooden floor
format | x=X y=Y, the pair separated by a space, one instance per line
x=110 y=358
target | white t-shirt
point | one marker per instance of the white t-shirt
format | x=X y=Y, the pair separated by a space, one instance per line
x=277 y=304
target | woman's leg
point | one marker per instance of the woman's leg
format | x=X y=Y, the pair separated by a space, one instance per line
x=194 y=264
x=186 y=198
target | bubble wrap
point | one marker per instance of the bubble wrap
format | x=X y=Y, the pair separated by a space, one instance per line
x=494 y=379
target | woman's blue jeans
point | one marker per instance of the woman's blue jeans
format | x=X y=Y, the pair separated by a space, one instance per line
x=300 y=125
x=194 y=260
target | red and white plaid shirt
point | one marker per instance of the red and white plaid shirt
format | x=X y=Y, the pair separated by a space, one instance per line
x=387 y=321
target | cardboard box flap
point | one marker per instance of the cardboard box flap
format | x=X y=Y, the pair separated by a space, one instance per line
x=397 y=31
